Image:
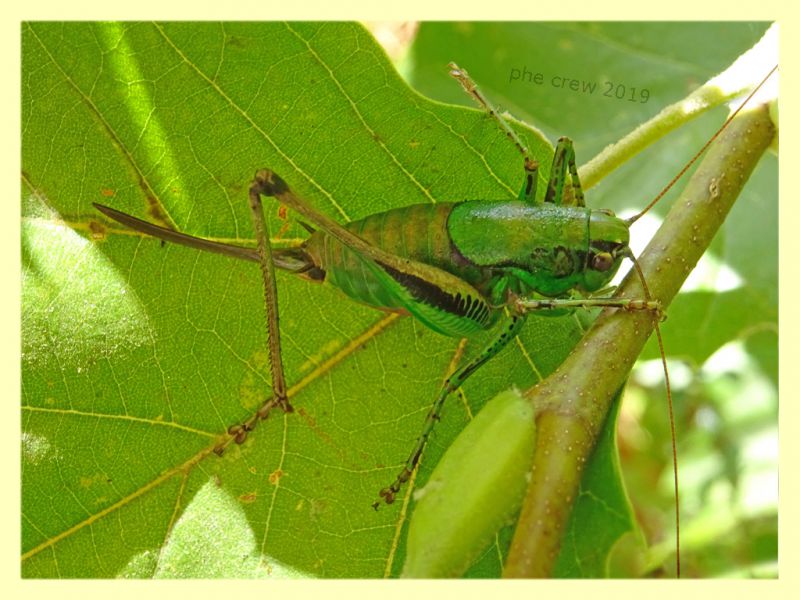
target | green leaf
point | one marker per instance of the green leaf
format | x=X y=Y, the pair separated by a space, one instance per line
x=138 y=356
x=477 y=487
x=668 y=60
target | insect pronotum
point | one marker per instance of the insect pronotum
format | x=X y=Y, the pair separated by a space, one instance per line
x=441 y=264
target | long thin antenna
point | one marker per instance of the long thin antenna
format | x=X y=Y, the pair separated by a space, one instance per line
x=660 y=195
x=657 y=329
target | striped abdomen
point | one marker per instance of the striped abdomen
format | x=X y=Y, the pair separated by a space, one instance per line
x=417 y=232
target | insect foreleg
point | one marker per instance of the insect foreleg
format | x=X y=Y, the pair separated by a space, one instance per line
x=528 y=192
x=525 y=305
x=531 y=304
x=507 y=331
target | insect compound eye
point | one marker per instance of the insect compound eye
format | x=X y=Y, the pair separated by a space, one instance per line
x=602 y=261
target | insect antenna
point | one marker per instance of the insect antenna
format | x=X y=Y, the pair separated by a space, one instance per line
x=667 y=187
x=660 y=340
x=656 y=327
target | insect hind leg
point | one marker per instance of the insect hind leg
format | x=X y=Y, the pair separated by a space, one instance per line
x=280 y=395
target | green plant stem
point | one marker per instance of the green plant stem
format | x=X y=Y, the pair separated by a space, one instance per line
x=670 y=118
x=738 y=78
x=572 y=403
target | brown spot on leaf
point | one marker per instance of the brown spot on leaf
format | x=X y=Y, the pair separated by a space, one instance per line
x=312 y=422
x=235 y=41
x=282 y=231
x=275 y=476
x=326 y=437
x=98 y=230
x=155 y=211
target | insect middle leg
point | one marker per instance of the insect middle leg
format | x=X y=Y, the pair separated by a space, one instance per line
x=563 y=163
x=507 y=331
x=563 y=157
x=528 y=192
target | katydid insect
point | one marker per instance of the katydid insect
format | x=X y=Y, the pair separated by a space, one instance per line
x=459 y=268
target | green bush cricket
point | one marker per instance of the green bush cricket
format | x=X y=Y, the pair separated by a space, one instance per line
x=458 y=287
x=453 y=276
